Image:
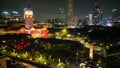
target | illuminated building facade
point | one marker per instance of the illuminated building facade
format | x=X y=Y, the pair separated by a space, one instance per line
x=28 y=16
x=90 y=18
x=115 y=14
x=70 y=13
x=12 y=17
x=35 y=33
x=96 y=14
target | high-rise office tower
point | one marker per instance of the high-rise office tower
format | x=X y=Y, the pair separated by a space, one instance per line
x=97 y=13
x=70 y=12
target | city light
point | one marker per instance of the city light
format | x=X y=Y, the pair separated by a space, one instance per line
x=15 y=12
x=5 y=12
x=60 y=34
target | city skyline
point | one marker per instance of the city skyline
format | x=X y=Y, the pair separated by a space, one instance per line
x=45 y=9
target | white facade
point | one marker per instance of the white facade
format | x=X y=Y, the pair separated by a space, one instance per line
x=28 y=16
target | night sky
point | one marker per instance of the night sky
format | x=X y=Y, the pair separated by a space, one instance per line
x=44 y=9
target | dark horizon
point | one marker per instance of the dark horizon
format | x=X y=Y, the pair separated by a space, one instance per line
x=44 y=9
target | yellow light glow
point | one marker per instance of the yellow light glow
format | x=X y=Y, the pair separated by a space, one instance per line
x=64 y=31
x=28 y=12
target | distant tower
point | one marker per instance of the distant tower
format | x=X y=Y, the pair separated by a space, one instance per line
x=97 y=14
x=28 y=16
x=70 y=12
x=91 y=19
x=115 y=14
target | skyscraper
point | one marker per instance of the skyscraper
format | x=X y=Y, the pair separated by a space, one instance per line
x=96 y=11
x=115 y=14
x=70 y=12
